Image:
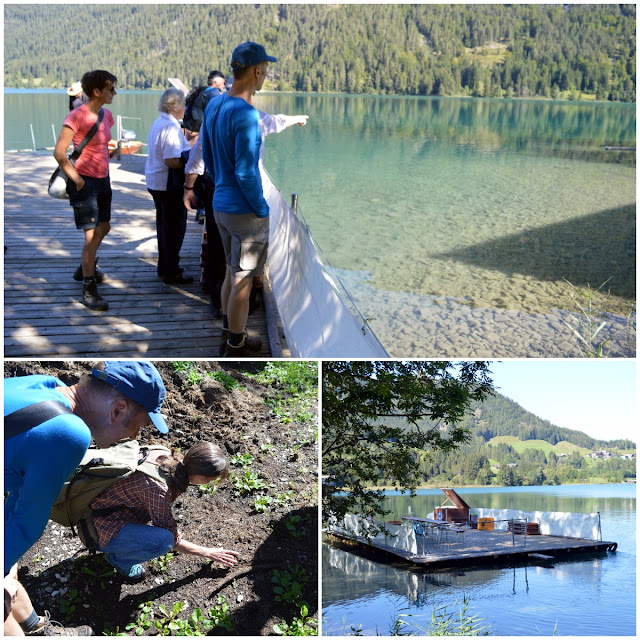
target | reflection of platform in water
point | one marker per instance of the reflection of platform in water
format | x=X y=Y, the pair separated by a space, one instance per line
x=475 y=547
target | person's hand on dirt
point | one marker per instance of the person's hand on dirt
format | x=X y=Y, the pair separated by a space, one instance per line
x=222 y=555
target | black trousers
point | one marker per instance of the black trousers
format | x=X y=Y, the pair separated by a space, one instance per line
x=171 y=226
x=216 y=264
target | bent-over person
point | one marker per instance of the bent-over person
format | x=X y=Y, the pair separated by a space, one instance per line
x=125 y=536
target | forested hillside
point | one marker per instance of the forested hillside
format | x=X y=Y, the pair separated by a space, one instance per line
x=480 y=50
x=526 y=450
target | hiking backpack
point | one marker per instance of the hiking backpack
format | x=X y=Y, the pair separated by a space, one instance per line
x=195 y=102
x=98 y=470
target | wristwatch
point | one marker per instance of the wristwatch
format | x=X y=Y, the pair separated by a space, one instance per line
x=188 y=188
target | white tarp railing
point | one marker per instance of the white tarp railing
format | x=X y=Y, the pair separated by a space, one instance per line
x=552 y=523
x=396 y=536
x=316 y=322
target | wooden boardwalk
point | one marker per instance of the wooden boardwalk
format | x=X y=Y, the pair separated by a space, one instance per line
x=488 y=547
x=146 y=318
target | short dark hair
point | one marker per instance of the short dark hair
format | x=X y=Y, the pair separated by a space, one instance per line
x=215 y=74
x=96 y=79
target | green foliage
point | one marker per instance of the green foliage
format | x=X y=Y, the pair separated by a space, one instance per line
x=241 y=460
x=262 y=504
x=100 y=573
x=444 y=623
x=492 y=50
x=68 y=605
x=292 y=525
x=248 y=483
x=170 y=622
x=209 y=489
x=220 y=616
x=289 y=585
x=296 y=385
x=302 y=626
x=143 y=621
x=361 y=444
x=162 y=562
x=194 y=375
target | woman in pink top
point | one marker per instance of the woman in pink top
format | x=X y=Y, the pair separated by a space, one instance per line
x=89 y=187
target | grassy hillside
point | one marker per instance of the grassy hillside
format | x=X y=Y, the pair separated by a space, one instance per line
x=522 y=445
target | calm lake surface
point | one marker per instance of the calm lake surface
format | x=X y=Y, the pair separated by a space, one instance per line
x=591 y=596
x=454 y=224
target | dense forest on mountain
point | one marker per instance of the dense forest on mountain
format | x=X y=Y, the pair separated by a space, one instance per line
x=478 y=50
x=538 y=451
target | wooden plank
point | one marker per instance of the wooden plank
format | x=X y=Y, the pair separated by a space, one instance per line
x=42 y=313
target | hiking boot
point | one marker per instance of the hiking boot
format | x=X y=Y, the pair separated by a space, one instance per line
x=223 y=342
x=91 y=298
x=48 y=627
x=97 y=274
x=248 y=347
x=136 y=573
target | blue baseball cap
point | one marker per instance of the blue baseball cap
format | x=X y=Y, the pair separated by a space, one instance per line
x=248 y=54
x=140 y=381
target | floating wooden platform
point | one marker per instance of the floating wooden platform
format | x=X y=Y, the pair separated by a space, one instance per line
x=483 y=547
x=146 y=318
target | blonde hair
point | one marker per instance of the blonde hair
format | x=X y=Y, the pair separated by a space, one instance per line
x=172 y=99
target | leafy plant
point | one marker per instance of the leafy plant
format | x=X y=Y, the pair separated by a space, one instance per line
x=291 y=525
x=162 y=562
x=243 y=460
x=220 y=616
x=170 y=622
x=289 y=585
x=68 y=605
x=227 y=381
x=302 y=626
x=248 y=483
x=108 y=631
x=103 y=572
x=209 y=489
x=262 y=503
x=143 y=621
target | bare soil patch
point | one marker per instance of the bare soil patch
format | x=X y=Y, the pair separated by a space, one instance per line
x=60 y=575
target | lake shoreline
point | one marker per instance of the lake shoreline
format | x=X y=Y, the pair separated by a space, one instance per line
x=425 y=487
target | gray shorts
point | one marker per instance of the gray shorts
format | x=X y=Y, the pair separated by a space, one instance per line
x=245 y=238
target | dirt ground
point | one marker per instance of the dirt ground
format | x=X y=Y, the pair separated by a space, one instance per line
x=60 y=575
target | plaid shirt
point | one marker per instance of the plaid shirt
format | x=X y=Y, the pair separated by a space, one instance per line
x=146 y=500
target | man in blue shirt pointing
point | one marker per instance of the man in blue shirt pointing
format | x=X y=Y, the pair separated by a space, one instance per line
x=41 y=451
x=231 y=150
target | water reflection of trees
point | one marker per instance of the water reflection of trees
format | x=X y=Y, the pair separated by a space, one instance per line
x=568 y=130
x=349 y=576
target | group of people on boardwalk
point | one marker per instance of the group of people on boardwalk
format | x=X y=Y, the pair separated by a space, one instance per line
x=48 y=429
x=221 y=162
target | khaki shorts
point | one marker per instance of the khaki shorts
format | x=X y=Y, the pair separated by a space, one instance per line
x=245 y=238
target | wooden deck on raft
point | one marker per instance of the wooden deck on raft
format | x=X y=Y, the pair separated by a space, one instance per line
x=486 y=547
x=146 y=318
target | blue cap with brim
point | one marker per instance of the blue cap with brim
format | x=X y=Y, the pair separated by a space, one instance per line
x=139 y=381
x=248 y=54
